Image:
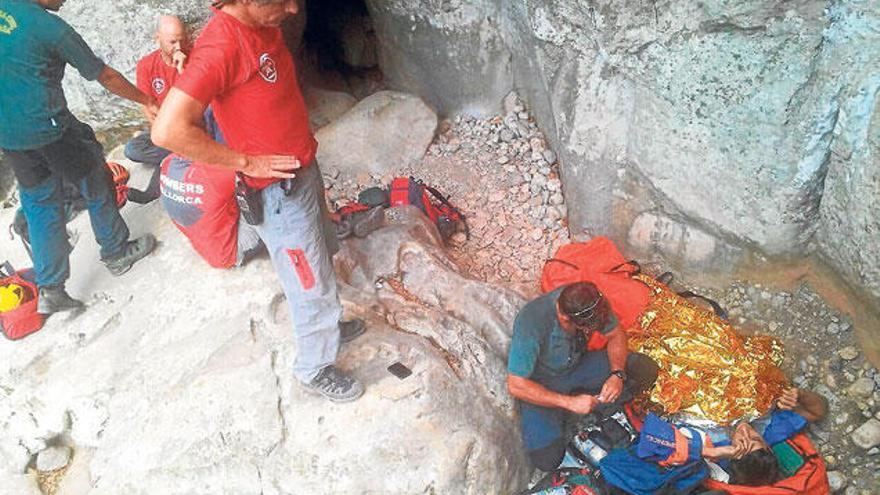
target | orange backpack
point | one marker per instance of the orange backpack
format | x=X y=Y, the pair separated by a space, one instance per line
x=600 y=262
x=810 y=479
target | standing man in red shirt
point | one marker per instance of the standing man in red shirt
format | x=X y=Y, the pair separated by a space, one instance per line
x=242 y=68
x=156 y=74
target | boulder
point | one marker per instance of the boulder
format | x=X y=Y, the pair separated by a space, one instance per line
x=326 y=106
x=867 y=435
x=383 y=132
x=53 y=458
x=177 y=378
x=837 y=481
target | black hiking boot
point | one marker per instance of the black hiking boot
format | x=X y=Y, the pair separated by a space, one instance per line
x=336 y=386
x=55 y=300
x=351 y=329
x=134 y=250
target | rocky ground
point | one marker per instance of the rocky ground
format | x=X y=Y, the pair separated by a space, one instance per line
x=503 y=177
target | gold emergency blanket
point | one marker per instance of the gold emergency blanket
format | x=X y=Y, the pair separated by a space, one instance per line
x=707 y=370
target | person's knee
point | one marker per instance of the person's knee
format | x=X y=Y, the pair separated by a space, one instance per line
x=549 y=457
x=642 y=371
x=132 y=150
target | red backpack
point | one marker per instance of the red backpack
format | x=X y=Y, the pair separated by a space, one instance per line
x=810 y=479
x=411 y=191
x=600 y=262
x=23 y=320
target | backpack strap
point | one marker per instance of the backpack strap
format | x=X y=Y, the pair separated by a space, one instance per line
x=443 y=199
x=6 y=269
x=567 y=263
x=721 y=312
x=637 y=270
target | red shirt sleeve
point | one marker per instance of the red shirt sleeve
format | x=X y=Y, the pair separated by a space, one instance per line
x=212 y=68
x=143 y=77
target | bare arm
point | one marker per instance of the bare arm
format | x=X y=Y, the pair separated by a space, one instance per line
x=117 y=84
x=535 y=393
x=812 y=406
x=180 y=128
x=617 y=352
x=617 y=349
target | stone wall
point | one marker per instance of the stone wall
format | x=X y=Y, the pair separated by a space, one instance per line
x=693 y=132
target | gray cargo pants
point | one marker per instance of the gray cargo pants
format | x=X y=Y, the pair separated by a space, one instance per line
x=301 y=240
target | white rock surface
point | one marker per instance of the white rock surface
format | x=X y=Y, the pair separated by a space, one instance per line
x=18 y=484
x=326 y=106
x=385 y=130
x=176 y=379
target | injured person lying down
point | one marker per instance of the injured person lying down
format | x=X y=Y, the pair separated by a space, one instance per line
x=720 y=418
x=751 y=453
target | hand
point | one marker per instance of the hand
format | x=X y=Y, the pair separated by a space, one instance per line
x=611 y=390
x=582 y=404
x=271 y=166
x=151 y=109
x=725 y=452
x=178 y=58
x=789 y=399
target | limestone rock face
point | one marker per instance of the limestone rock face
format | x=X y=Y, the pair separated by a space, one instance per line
x=452 y=54
x=748 y=121
x=177 y=378
x=383 y=131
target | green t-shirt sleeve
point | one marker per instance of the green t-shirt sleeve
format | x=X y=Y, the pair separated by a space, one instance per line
x=74 y=50
x=524 y=348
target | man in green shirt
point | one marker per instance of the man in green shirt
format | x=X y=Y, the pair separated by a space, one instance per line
x=45 y=144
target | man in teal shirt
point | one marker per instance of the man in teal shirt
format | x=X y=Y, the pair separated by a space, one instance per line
x=553 y=372
x=45 y=144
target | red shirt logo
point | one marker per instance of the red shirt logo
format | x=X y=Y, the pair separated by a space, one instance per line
x=159 y=85
x=268 y=69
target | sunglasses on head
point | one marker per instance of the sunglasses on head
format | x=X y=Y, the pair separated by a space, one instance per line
x=589 y=312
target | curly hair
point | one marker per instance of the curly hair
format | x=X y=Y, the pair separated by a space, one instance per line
x=758 y=468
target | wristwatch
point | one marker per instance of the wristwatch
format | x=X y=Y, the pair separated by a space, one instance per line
x=619 y=374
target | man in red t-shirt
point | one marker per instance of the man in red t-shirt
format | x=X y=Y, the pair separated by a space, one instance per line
x=156 y=74
x=242 y=68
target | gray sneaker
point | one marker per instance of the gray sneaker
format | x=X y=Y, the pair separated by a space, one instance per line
x=351 y=329
x=133 y=251
x=336 y=386
x=56 y=299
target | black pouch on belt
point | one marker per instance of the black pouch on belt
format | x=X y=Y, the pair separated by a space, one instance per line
x=250 y=201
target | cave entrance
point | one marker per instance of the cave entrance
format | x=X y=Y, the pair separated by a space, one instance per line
x=338 y=48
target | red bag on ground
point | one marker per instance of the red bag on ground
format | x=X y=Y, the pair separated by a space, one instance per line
x=600 y=262
x=23 y=320
x=810 y=479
